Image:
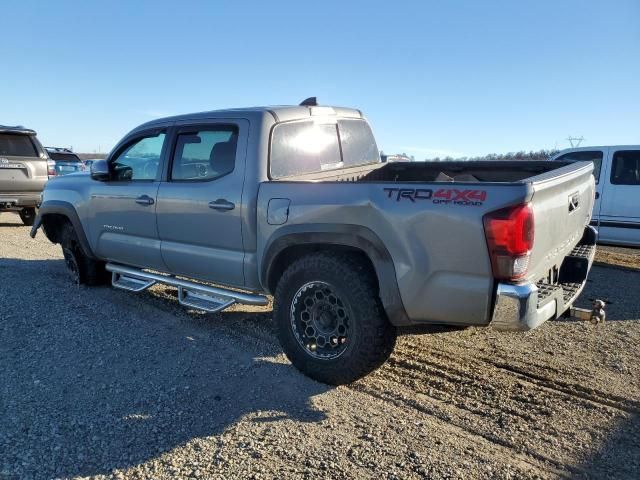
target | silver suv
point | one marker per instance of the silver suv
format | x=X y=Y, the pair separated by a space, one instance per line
x=23 y=171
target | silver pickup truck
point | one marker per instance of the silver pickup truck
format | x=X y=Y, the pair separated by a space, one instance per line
x=230 y=206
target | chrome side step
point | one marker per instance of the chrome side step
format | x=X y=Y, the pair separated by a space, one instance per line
x=130 y=283
x=192 y=294
x=203 y=300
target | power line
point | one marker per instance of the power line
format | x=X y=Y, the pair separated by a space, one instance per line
x=577 y=140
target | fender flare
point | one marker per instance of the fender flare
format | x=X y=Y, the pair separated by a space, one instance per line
x=354 y=236
x=66 y=209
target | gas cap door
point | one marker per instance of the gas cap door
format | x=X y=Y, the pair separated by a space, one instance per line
x=278 y=211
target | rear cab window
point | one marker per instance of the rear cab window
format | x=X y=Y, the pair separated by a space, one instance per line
x=17 y=145
x=625 y=168
x=594 y=156
x=317 y=145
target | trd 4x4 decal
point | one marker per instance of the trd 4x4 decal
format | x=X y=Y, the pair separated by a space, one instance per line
x=441 y=196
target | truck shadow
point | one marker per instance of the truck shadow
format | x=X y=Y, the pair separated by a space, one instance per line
x=619 y=452
x=11 y=225
x=620 y=288
x=95 y=380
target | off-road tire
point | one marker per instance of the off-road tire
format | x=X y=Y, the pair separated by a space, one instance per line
x=28 y=216
x=84 y=270
x=371 y=338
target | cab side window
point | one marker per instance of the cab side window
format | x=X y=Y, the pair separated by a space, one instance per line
x=625 y=169
x=585 y=156
x=204 y=154
x=140 y=160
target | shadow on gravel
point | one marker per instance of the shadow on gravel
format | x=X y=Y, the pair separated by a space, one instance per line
x=429 y=329
x=619 y=287
x=620 y=452
x=92 y=380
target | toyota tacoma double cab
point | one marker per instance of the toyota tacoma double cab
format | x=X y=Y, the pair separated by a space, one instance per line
x=23 y=171
x=231 y=206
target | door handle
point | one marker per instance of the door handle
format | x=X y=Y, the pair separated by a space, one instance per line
x=144 y=200
x=221 y=204
x=597 y=195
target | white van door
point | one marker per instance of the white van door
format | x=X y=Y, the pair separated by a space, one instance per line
x=619 y=219
x=597 y=156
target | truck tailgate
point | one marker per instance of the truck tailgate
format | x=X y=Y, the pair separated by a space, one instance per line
x=562 y=203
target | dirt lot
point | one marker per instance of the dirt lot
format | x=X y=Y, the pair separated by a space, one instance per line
x=619 y=256
x=103 y=383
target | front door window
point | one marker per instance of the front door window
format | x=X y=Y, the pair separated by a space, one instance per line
x=140 y=160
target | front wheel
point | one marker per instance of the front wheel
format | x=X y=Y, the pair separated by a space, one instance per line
x=329 y=319
x=28 y=216
x=83 y=269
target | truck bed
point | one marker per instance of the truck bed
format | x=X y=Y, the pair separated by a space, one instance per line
x=430 y=218
x=458 y=171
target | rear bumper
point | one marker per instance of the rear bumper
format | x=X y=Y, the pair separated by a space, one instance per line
x=527 y=306
x=16 y=201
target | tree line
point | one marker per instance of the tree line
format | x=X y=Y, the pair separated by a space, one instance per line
x=497 y=157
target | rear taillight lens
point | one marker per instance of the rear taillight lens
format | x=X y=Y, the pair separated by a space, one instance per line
x=509 y=233
x=51 y=168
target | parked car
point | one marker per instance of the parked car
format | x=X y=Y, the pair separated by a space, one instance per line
x=63 y=161
x=295 y=202
x=23 y=171
x=397 y=157
x=616 y=212
x=88 y=162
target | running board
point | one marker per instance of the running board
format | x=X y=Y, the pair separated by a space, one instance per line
x=192 y=294
x=203 y=300
x=129 y=282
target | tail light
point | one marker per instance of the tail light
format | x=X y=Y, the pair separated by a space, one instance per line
x=51 y=168
x=510 y=233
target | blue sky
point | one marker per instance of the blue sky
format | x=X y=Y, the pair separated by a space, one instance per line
x=434 y=78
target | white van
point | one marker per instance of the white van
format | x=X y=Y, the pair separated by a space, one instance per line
x=616 y=212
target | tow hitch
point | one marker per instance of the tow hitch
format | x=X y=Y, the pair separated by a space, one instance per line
x=595 y=315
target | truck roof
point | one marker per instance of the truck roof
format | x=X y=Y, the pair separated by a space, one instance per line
x=280 y=113
x=594 y=147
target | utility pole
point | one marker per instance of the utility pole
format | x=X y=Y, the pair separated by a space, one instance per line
x=577 y=140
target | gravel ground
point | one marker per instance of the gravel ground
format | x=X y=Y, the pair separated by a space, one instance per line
x=627 y=257
x=107 y=384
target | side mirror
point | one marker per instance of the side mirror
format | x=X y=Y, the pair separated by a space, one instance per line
x=100 y=171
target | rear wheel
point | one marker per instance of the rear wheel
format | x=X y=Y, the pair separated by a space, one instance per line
x=329 y=318
x=28 y=216
x=84 y=270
